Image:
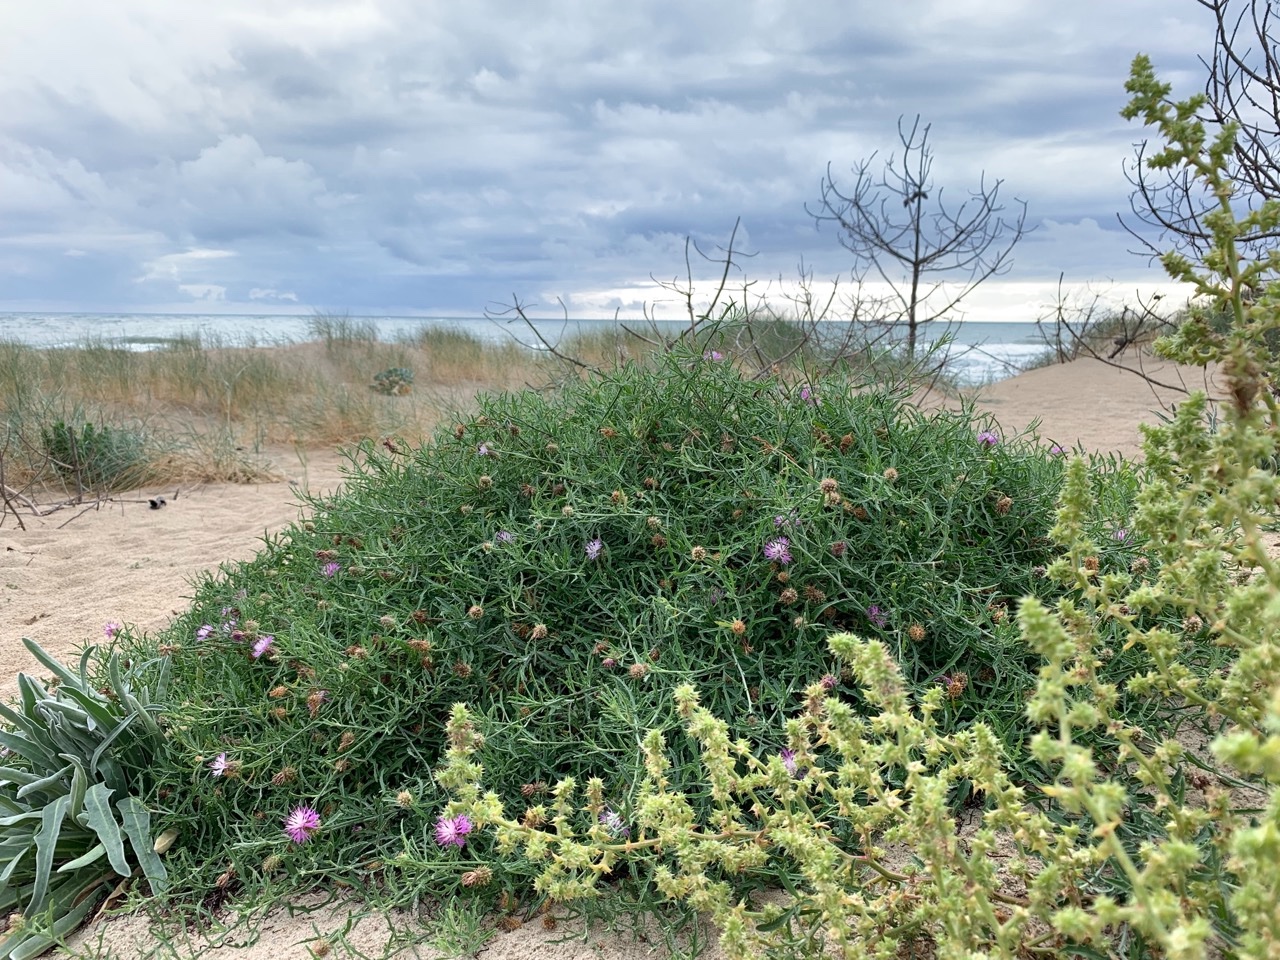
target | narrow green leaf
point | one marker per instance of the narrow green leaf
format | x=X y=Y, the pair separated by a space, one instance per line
x=46 y=840
x=16 y=776
x=84 y=668
x=52 y=781
x=114 y=676
x=52 y=663
x=99 y=711
x=137 y=824
x=110 y=739
x=79 y=786
x=97 y=852
x=99 y=818
x=14 y=862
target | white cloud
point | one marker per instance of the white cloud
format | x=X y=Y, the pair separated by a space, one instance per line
x=260 y=293
x=381 y=153
x=204 y=291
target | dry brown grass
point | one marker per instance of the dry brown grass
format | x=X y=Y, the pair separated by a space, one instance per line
x=208 y=410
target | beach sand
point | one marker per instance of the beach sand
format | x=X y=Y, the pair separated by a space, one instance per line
x=68 y=574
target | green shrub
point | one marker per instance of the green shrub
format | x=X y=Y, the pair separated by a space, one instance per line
x=70 y=750
x=393 y=382
x=95 y=457
x=565 y=563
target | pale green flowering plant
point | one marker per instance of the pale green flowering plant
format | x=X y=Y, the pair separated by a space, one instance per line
x=1128 y=847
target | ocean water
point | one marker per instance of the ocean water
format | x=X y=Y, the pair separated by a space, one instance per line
x=979 y=351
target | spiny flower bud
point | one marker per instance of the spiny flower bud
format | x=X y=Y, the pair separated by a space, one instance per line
x=346 y=741
x=566 y=511
x=916 y=632
x=618 y=497
x=485 y=482
x=475 y=611
x=828 y=485
x=1004 y=505
x=788 y=596
x=404 y=799
x=698 y=553
x=479 y=877
x=637 y=670
x=277 y=692
x=738 y=627
x=539 y=631
x=285 y=775
x=838 y=548
x=462 y=669
x=890 y=474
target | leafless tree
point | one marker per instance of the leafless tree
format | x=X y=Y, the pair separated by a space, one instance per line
x=1242 y=88
x=929 y=254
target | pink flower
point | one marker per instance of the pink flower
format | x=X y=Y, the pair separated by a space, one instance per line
x=204 y=631
x=301 y=823
x=1057 y=450
x=776 y=550
x=330 y=568
x=789 y=761
x=807 y=395
x=111 y=628
x=988 y=439
x=262 y=645
x=218 y=766
x=452 y=831
x=593 y=548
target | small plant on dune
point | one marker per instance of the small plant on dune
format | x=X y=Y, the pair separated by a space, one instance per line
x=72 y=823
x=1126 y=844
x=95 y=457
x=393 y=382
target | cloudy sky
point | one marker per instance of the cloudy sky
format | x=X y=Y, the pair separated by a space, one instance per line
x=417 y=156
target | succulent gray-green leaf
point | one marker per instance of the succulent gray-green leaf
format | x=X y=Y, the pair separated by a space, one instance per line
x=137 y=824
x=46 y=842
x=99 y=818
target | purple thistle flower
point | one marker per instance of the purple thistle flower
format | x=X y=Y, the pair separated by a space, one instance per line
x=614 y=823
x=483 y=450
x=204 y=631
x=262 y=645
x=218 y=766
x=713 y=355
x=452 y=831
x=593 y=548
x=330 y=568
x=807 y=395
x=111 y=628
x=504 y=536
x=1121 y=533
x=877 y=616
x=776 y=550
x=789 y=761
x=1057 y=450
x=988 y=439
x=301 y=823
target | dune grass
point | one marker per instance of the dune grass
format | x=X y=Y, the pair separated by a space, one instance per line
x=213 y=409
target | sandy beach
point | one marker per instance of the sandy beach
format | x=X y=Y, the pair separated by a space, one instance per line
x=68 y=574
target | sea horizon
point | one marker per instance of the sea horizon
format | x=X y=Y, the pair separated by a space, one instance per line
x=1004 y=347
